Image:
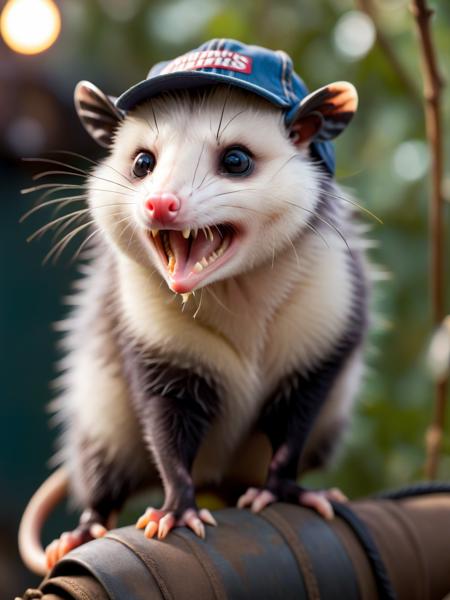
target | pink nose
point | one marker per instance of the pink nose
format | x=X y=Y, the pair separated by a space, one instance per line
x=162 y=206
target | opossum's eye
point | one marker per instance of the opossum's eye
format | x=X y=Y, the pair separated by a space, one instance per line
x=144 y=163
x=236 y=161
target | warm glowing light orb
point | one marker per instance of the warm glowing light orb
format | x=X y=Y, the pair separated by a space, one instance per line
x=30 y=26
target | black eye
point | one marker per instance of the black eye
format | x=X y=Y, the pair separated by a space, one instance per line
x=144 y=163
x=236 y=161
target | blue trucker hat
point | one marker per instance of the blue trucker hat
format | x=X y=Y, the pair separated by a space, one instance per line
x=264 y=72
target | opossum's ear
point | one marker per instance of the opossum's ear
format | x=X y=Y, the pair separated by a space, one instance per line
x=323 y=114
x=97 y=112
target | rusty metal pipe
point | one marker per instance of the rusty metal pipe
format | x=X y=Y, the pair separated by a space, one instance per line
x=285 y=553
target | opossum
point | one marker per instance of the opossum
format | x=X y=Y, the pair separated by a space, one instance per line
x=218 y=331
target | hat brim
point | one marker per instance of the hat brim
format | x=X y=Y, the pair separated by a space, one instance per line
x=182 y=80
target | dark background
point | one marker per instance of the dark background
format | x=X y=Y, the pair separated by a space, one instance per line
x=382 y=157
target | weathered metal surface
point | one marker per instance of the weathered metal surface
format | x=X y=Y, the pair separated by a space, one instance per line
x=285 y=553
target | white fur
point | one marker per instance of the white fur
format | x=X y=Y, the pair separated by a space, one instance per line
x=278 y=305
x=94 y=403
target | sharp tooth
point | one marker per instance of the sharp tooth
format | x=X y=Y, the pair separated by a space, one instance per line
x=171 y=264
x=195 y=233
x=186 y=232
x=155 y=232
x=185 y=297
x=210 y=234
x=198 y=267
x=204 y=262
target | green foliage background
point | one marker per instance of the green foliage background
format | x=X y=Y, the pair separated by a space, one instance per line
x=385 y=447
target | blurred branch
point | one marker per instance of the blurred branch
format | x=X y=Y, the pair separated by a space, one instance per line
x=432 y=85
x=367 y=6
x=439 y=352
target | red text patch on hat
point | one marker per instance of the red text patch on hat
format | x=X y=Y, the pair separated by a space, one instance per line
x=210 y=59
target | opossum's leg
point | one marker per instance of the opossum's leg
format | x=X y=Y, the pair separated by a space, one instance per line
x=287 y=421
x=175 y=412
x=329 y=428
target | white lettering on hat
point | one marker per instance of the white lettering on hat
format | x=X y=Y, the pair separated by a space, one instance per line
x=212 y=59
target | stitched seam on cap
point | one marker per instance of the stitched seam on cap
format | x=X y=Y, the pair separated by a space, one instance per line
x=289 y=83
x=283 y=73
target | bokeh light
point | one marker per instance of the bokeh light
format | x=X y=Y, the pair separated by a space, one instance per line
x=119 y=10
x=181 y=20
x=438 y=358
x=26 y=135
x=30 y=26
x=354 y=35
x=411 y=160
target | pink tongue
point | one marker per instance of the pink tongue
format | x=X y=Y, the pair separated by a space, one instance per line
x=199 y=248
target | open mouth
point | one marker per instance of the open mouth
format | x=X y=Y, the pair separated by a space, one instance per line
x=190 y=255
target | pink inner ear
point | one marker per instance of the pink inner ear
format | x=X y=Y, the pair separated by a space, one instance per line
x=306 y=128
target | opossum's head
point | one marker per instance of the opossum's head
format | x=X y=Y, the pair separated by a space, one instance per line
x=208 y=184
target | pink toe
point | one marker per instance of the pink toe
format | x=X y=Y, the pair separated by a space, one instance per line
x=247 y=498
x=150 y=529
x=97 y=530
x=51 y=553
x=336 y=495
x=262 y=500
x=318 y=502
x=144 y=519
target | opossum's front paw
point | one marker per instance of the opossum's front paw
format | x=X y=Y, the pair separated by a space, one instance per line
x=157 y=521
x=72 y=539
x=288 y=491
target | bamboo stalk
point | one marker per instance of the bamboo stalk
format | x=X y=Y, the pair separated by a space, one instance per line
x=432 y=86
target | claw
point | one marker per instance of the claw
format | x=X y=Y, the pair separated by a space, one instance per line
x=50 y=554
x=144 y=519
x=336 y=495
x=288 y=491
x=161 y=522
x=151 y=514
x=64 y=544
x=150 y=529
x=247 y=498
x=165 y=525
x=97 y=530
x=193 y=522
x=206 y=516
x=263 y=499
x=67 y=542
x=70 y=540
x=318 y=502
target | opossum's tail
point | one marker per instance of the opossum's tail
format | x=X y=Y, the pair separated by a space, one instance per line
x=50 y=493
